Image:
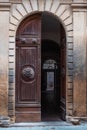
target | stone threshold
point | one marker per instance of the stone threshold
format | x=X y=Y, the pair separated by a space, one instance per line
x=34 y=124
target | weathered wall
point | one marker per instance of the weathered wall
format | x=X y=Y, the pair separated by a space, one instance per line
x=80 y=62
x=4 y=40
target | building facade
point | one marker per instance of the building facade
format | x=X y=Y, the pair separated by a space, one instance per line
x=43 y=42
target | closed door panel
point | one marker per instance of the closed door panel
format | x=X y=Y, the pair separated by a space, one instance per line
x=28 y=70
x=27 y=67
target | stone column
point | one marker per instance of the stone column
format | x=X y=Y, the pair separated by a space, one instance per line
x=80 y=61
x=4 y=41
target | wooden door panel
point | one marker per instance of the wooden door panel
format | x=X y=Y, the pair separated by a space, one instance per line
x=28 y=88
x=63 y=76
x=63 y=84
x=28 y=92
x=28 y=70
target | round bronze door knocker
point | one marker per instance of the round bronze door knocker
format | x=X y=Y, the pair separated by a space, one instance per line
x=28 y=73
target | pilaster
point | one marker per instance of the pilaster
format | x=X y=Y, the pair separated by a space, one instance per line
x=4 y=42
x=79 y=60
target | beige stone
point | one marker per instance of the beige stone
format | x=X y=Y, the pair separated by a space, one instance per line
x=55 y=5
x=61 y=10
x=3 y=99
x=48 y=5
x=12 y=45
x=70 y=84
x=70 y=59
x=69 y=27
x=15 y=1
x=70 y=46
x=4 y=0
x=27 y=5
x=15 y=12
x=21 y=9
x=70 y=52
x=12 y=39
x=70 y=113
x=70 y=66
x=11 y=72
x=12 y=27
x=70 y=99
x=68 y=21
x=79 y=1
x=65 y=1
x=70 y=106
x=70 y=33
x=41 y=5
x=75 y=121
x=4 y=40
x=11 y=59
x=11 y=65
x=11 y=33
x=70 y=73
x=11 y=86
x=69 y=39
x=70 y=80
x=70 y=93
x=13 y=20
x=11 y=52
x=65 y=15
x=34 y=4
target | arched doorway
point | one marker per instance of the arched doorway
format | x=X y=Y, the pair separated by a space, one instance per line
x=35 y=35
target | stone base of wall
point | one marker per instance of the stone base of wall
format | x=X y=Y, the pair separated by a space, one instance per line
x=4 y=121
x=75 y=120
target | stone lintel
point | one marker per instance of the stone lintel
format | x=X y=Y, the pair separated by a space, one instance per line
x=16 y=1
x=76 y=5
x=79 y=5
x=5 y=6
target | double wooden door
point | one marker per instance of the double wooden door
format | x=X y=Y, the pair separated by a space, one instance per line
x=28 y=70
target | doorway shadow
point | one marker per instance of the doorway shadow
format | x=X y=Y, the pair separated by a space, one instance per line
x=50 y=87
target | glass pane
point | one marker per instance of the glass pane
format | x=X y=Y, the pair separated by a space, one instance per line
x=50 y=64
x=50 y=80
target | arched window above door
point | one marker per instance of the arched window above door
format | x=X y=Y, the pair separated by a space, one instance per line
x=50 y=64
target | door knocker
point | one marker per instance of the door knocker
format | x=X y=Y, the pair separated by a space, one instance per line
x=28 y=73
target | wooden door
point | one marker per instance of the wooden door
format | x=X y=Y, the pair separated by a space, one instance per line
x=28 y=72
x=63 y=77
